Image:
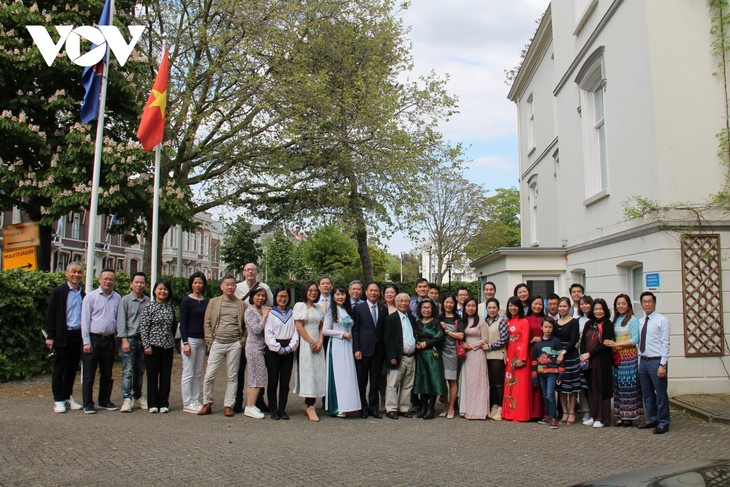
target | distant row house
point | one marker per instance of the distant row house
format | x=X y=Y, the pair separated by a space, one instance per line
x=197 y=250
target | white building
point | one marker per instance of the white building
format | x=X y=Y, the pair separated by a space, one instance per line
x=617 y=99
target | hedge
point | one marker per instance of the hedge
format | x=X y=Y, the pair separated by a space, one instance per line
x=24 y=298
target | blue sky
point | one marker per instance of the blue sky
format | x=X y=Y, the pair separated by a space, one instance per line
x=474 y=42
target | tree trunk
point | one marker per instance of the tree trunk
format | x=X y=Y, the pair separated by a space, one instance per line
x=361 y=231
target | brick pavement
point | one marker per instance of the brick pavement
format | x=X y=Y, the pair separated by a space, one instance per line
x=38 y=447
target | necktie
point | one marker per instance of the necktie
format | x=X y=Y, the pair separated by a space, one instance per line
x=374 y=312
x=408 y=333
x=642 y=341
x=324 y=306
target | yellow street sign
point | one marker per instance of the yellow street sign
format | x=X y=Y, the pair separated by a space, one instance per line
x=20 y=235
x=20 y=259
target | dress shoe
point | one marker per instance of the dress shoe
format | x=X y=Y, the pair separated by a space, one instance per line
x=275 y=415
x=206 y=409
x=392 y=414
x=646 y=426
x=283 y=414
x=376 y=414
x=228 y=411
x=406 y=414
x=263 y=407
x=661 y=429
x=364 y=414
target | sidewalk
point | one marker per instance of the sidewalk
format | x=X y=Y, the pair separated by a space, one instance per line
x=714 y=408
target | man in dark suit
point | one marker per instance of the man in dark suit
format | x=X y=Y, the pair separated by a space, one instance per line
x=367 y=343
x=399 y=336
x=63 y=336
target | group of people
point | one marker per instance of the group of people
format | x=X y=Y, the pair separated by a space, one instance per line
x=384 y=352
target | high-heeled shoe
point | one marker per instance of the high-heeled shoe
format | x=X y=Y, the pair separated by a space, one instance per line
x=564 y=419
x=570 y=421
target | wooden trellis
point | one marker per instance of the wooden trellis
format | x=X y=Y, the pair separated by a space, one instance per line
x=702 y=295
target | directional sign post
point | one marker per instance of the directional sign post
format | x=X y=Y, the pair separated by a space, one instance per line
x=20 y=245
x=20 y=259
x=21 y=235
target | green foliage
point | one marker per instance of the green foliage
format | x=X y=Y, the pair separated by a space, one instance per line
x=239 y=245
x=328 y=251
x=501 y=228
x=279 y=260
x=23 y=299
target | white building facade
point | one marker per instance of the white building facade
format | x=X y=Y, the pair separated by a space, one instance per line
x=616 y=101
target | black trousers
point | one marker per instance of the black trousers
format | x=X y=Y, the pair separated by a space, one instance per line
x=370 y=369
x=65 y=366
x=496 y=369
x=159 y=370
x=101 y=357
x=279 y=373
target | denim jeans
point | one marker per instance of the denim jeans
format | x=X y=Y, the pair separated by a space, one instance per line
x=132 y=369
x=547 y=385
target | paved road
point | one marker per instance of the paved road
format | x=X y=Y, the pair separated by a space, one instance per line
x=38 y=447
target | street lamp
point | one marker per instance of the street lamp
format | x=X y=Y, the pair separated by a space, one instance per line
x=449 y=265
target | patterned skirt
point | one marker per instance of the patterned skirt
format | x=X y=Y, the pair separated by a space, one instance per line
x=626 y=394
x=573 y=379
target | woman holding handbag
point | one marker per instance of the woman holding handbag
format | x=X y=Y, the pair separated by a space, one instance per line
x=627 y=403
x=600 y=364
x=451 y=325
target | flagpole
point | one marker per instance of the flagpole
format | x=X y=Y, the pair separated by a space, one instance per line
x=96 y=173
x=156 y=200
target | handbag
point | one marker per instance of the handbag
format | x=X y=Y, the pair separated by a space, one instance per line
x=616 y=357
x=460 y=350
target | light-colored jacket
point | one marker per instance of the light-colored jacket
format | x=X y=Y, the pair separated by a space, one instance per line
x=213 y=317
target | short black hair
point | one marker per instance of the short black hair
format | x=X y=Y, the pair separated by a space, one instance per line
x=575 y=284
x=197 y=275
x=553 y=296
x=647 y=293
x=138 y=273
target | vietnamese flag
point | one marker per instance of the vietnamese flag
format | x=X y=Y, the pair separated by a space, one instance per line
x=152 y=125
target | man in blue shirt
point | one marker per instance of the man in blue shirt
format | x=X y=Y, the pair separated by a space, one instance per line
x=63 y=337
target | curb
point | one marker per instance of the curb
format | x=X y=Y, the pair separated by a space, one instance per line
x=694 y=410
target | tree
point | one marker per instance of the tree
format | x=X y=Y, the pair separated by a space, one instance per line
x=501 y=227
x=279 y=260
x=328 y=251
x=239 y=245
x=449 y=217
x=48 y=154
x=362 y=135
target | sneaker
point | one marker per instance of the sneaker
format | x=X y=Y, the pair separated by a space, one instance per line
x=597 y=424
x=164 y=410
x=492 y=412
x=544 y=420
x=586 y=417
x=59 y=406
x=73 y=405
x=154 y=410
x=110 y=406
x=341 y=415
x=253 y=412
x=553 y=424
x=126 y=405
x=588 y=422
x=140 y=403
x=89 y=409
x=193 y=408
x=498 y=415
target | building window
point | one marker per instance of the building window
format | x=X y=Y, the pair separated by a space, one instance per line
x=532 y=202
x=76 y=226
x=592 y=83
x=541 y=285
x=636 y=284
x=530 y=124
x=133 y=266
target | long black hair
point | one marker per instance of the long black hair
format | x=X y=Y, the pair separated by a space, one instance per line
x=347 y=305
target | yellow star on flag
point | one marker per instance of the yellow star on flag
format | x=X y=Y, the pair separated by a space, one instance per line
x=160 y=101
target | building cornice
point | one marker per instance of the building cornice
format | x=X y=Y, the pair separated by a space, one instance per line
x=535 y=53
x=578 y=60
x=518 y=251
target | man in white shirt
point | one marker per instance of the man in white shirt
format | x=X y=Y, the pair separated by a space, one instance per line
x=653 y=362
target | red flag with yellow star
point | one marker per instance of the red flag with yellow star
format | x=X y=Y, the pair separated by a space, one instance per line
x=152 y=125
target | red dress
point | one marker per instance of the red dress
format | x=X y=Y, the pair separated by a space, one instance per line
x=537 y=403
x=517 y=382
